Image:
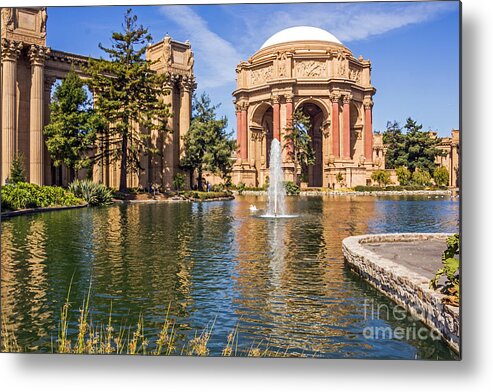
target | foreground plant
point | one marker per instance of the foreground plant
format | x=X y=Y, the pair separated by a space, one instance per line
x=450 y=269
x=93 y=193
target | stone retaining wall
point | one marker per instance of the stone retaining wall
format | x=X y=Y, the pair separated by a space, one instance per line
x=27 y=211
x=404 y=286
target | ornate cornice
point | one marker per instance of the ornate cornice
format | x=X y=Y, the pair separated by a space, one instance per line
x=10 y=49
x=37 y=54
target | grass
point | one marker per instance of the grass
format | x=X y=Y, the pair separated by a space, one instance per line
x=92 y=338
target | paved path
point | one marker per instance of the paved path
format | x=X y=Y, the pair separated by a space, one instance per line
x=422 y=257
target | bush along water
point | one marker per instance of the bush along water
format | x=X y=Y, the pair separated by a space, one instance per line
x=450 y=269
x=23 y=195
x=93 y=193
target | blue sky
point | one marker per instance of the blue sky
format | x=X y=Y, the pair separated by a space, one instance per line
x=413 y=46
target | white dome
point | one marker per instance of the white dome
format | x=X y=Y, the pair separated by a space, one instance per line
x=300 y=33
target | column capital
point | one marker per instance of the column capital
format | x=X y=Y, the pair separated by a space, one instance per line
x=368 y=103
x=188 y=83
x=10 y=49
x=37 y=54
x=275 y=99
x=289 y=97
x=335 y=97
x=346 y=98
x=241 y=106
x=48 y=82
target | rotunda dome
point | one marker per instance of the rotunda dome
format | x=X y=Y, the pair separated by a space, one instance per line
x=300 y=33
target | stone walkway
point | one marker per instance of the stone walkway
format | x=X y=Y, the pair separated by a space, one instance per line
x=422 y=257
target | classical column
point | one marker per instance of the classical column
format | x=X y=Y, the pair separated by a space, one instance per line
x=187 y=85
x=346 y=135
x=10 y=53
x=289 y=122
x=48 y=84
x=276 y=118
x=37 y=56
x=244 y=133
x=368 y=104
x=336 y=145
x=169 y=163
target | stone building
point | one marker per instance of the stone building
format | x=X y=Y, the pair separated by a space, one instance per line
x=307 y=68
x=28 y=71
x=450 y=145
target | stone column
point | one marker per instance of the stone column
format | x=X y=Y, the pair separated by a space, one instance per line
x=37 y=56
x=169 y=163
x=48 y=84
x=368 y=140
x=238 y=129
x=244 y=133
x=346 y=135
x=336 y=145
x=185 y=108
x=289 y=122
x=10 y=53
x=276 y=118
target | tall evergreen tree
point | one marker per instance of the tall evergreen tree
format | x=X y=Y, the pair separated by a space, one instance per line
x=129 y=96
x=208 y=146
x=72 y=128
x=414 y=148
x=298 y=137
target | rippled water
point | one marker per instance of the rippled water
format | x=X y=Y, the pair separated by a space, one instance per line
x=283 y=282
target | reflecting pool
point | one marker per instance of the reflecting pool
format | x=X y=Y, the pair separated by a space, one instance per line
x=282 y=283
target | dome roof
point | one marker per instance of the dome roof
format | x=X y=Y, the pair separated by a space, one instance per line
x=300 y=33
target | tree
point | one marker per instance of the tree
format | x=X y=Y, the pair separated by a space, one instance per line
x=207 y=144
x=413 y=149
x=129 y=96
x=299 y=143
x=73 y=125
x=17 y=172
x=403 y=175
x=382 y=177
x=421 y=177
x=441 y=176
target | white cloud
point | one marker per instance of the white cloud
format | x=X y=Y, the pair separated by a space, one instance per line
x=216 y=58
x=348 y=22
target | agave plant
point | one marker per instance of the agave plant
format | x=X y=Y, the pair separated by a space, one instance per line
x=93 y=193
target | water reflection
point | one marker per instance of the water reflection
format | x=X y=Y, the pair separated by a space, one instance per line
x=283 y=282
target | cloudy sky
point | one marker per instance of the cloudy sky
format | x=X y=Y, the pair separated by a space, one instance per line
x=413 y=46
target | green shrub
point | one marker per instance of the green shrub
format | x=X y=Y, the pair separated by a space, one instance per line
x=240 y=187
x=363 y=188
x=93 y=193
x=450 y=268
x=382 y=177
x=24 y=195
x=196 y=195
x=178 y=181
x=403 y=175
x=421 y=177
x=441 y=175
x=17 y=173
x=217 y=188
x=291 y=188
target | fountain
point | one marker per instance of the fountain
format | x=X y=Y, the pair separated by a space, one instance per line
x=276 y=192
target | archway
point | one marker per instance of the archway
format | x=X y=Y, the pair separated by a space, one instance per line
x=317 y=115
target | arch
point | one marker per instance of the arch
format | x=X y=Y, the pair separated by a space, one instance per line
x=258 y=113
x=321 y=104
x=314 y=108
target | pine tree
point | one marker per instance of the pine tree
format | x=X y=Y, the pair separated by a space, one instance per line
x=17 y=172
x=72 y=128
x=298 y=137
x=414 y=148
x=208 y=146
x=129 y=96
